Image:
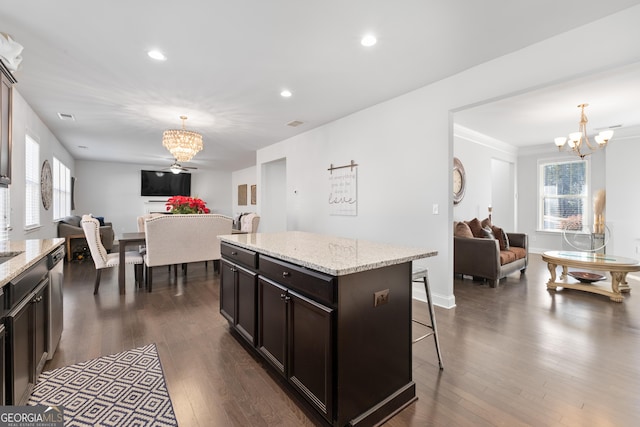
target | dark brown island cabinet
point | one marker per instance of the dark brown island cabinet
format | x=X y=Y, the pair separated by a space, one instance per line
x=331 y=315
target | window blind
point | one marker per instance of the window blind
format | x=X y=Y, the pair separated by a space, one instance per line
x=32 y=184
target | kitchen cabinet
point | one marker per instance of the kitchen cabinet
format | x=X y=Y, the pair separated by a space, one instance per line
x=295 y=336
x=6 y=103
x=238 y=299
x=3 y=395
x=320 y=322
x=26 y=324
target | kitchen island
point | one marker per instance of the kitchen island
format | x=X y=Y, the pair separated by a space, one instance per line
x=331 y=315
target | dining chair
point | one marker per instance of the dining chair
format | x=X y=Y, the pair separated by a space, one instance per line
x=249 y=223
x=181 y=239
x=99 y=254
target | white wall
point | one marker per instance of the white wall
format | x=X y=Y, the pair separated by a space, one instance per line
x=476 y=152
x=112 y=190
x=404 y=145
x=25 y=120
x=623 y=202
x=244 y=176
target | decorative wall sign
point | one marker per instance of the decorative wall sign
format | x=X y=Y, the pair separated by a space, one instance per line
x=46 y=184
x=254 y=194
x=343 y=185
x=242 y=194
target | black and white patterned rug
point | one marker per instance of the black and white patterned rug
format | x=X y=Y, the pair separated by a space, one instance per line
x=123 y=389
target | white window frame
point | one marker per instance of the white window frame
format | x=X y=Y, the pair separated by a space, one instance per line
x=31 y=183
x=584 y=196
x=61 y=190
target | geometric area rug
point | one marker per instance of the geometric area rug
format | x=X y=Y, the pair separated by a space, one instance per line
x=123 y=389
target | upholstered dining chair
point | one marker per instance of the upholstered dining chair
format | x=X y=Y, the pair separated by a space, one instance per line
x=249 y=223
x=101 y=258
x=181 y=239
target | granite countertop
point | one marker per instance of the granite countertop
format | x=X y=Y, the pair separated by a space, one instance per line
x=28 y=253
x=337 y=256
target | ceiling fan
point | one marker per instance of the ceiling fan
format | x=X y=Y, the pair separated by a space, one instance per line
x=178 y=168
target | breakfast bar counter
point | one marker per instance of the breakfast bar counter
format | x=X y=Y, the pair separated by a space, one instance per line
x=331 y=315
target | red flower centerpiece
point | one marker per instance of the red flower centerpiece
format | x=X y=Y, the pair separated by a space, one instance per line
x=186 y=205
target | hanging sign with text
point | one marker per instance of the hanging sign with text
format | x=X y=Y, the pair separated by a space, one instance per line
x=343 y=192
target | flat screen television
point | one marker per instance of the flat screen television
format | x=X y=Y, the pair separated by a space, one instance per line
x=160 y=183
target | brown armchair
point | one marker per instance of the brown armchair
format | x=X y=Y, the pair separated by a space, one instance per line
x=482 y=258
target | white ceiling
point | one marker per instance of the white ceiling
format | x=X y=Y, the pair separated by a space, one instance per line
x=538 y=116
x=229 y=60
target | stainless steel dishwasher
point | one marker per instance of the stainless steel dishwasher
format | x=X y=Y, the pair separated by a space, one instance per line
x=56 y=281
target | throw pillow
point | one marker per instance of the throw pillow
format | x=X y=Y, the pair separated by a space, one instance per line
x=462 y=230
x=100 y=220
x=476 y=227
x=486 y=223
x=502 y=238
x=487 y=233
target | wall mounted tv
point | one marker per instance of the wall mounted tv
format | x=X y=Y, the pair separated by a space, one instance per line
x=159 y=183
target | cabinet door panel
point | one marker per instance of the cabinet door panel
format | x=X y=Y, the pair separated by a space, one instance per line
x=227 y=291
x=20 y=366
x=310 y=364
x=246 y=304
x=272 y=321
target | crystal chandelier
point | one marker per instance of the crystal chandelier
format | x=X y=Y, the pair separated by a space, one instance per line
x=182 y=144
x=576 y=139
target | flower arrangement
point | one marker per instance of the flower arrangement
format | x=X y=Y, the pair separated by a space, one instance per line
x=186 y=205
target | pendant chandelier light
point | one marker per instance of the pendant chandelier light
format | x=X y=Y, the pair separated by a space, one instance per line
x=579 y=142
x=182 y=144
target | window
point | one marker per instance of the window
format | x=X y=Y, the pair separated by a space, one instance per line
x=563 y=190
x=61 y=190
x=32 y=184
x=4 y=214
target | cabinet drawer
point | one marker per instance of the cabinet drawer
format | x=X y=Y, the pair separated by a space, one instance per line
x=318 y=286
x=240 y=255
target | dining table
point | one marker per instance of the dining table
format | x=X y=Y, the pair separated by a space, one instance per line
x=125 y=240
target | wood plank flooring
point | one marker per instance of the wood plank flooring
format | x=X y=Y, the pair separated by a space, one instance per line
x=515 y=355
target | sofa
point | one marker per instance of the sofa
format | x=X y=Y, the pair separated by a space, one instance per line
x=486 y=252
x=70 y=226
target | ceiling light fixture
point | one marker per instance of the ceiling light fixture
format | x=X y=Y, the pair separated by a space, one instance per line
x=182 y=144
x=157 y=55
x=369 y=40
x=575 y=140
x=286 y=93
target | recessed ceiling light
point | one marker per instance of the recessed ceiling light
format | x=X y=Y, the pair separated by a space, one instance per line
x=369 y=40
x=157 y=55
x=286 y=93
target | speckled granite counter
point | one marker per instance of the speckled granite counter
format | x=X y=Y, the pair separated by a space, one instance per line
x=28 y=253
x=328 y=254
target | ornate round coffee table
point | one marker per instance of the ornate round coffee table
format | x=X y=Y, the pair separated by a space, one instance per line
x=617 y=266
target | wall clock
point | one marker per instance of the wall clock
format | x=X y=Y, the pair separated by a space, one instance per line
x=459 y=181
x=46 y=188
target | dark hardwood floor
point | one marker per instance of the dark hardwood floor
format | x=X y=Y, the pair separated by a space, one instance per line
x=514 y=355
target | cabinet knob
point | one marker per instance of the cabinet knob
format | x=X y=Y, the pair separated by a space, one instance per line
x=283 y=296
x=286 y=274
x=234 y=253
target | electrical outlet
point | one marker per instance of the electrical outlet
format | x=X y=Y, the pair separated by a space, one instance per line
x=380 y=297
x=435 y=209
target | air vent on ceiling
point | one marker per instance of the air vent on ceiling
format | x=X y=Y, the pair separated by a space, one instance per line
x=295 y=123
x=65 y=116
x=609 y=127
